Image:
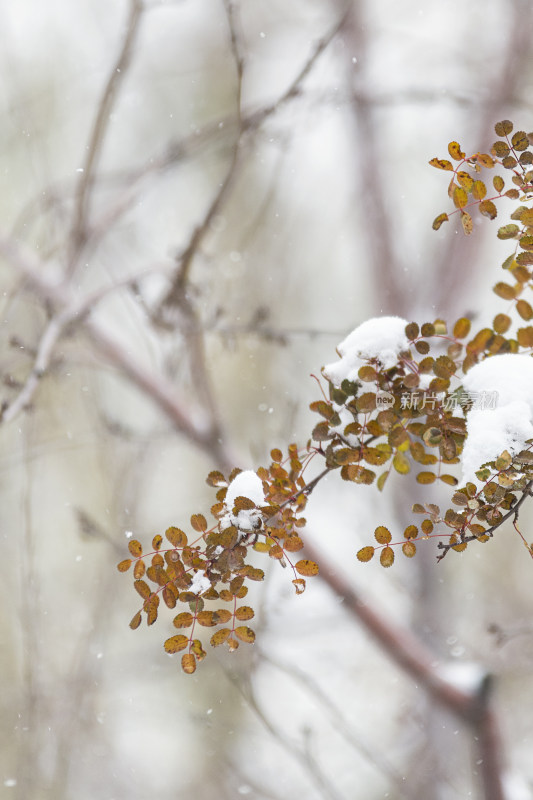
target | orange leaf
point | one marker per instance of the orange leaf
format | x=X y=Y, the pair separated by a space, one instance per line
x=199 y=523
x=176 y=537
x=306 y=567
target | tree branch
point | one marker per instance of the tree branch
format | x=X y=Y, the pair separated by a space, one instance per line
x=472 y=707
x=98 y=133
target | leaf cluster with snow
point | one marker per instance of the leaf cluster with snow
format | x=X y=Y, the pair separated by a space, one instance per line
x=381 y=338
x=510 y=424
x=245 y=484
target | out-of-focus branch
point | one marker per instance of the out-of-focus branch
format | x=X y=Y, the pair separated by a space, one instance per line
x=340 y=722
x=473 y=707
x=98 y=132
x=245 y=125
x=199 y=429
x=310 y=766
x=508 y=72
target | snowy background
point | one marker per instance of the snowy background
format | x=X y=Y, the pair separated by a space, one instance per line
x=325 y=221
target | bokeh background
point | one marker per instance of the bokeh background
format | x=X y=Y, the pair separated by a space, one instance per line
x=199 y=200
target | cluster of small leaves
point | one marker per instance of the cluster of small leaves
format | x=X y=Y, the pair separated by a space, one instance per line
x=478 y=512
x=218 y=556
x=506 y=481
x=513 y=152
x=399 y=417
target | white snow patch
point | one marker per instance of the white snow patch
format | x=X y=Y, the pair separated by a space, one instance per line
x=508 y=425
x=245 y=484
x=382 y=338
x=465 y=675
x=200 y=583
x=516 y=787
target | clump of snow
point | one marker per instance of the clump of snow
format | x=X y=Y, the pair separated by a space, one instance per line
x=200 y=583
x=468 y=676
x=507 y=426
x=245 y=484
x=382 y=338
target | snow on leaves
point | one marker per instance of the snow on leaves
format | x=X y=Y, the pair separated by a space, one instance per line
x=253 y=513
x=402 y=398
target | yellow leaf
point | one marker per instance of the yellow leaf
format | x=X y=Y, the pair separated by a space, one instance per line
x=176 y=643
x=139 y=569
x=124 y=565
x=382 y=535
x=306 y=567
x=244 y=613
x=386 y=557
x=136 y=621
x=365 y=553
x=183 y=620
x=381 y=480
x=485 y=160
x=142 y=588
x=460 y=197
x=437 y=222
x=220 y=637
x=479 y=190
x=245 y=634
x=454 y=149
x=401 y=463
x=461 y=328
x=465 y=180
x=188 y=663
x=441 y=163
x=426 y=477
x=135 y=548
x=411 y=532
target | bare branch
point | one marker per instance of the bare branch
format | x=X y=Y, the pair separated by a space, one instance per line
x=99 y=130
x=199 y=429
x=409 y=654
x=339 y=721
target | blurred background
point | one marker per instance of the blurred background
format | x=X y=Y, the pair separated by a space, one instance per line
x=200 y=199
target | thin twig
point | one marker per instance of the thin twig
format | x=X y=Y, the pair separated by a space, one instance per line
x=198 y=429
x=98 y=133
x=176 y=295
x=526 y=492
x=310 y=766
x=416 y=660
x=339 y=721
